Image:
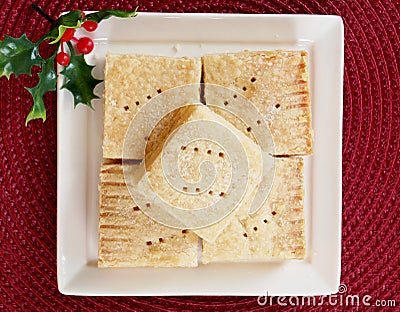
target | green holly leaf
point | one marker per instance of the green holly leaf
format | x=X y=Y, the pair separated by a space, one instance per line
x=102 y=15
x=79 y=80
x=18 y=55
x=47 y=82
x=72 y=19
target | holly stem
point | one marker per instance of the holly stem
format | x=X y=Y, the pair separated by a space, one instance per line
x=70 y=47
x=43 y=13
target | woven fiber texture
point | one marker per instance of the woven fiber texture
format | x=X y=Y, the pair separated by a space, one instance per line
x=371 y=160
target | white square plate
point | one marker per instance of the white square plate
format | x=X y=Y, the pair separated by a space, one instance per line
x=80 y=155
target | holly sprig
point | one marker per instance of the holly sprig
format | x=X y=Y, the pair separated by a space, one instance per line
x=19 y=55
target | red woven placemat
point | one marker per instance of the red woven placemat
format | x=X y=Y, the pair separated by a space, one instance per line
x=371 y=161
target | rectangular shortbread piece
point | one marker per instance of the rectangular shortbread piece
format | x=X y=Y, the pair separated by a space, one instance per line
x=131 y=81
x=275 y=232
x=129 y=238
x=189 y=163
x=276 y=82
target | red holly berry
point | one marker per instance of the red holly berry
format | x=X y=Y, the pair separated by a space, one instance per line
x=85 y=45
x=68 y=34
x=63 y=58
x=83 y=14
x=90 y=25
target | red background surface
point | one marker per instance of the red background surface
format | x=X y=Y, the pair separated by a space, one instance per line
x=371 y=160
